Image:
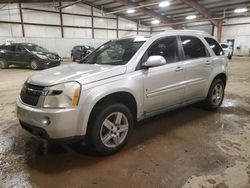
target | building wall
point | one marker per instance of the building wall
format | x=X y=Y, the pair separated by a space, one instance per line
x=239 y=30
x=44 y=28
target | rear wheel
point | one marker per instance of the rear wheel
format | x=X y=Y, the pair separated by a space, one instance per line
x=34 y=65
x=110 y=127
x=3 y=64
x=215 y=95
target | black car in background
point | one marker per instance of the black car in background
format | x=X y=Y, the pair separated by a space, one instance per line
x=79 y=52
x=24 y=54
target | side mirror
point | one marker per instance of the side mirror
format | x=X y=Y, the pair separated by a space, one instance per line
x=154 y=60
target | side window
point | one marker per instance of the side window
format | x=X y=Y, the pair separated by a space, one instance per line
x=215 y=46
x=19 y=48
x=11 y=48
x=193 y=47
x=166 y=47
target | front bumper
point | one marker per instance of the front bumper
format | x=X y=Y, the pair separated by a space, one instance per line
x=63 y=123
x=48 y=64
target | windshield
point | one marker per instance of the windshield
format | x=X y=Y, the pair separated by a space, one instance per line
x=35 y=48
x=117 y=52
x=224 y=45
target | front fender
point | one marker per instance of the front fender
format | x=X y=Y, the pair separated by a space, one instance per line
x=130 y=83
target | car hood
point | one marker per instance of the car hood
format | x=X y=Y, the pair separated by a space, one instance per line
x=83 y=73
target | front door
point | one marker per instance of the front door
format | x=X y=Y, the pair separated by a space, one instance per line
x=163 y=85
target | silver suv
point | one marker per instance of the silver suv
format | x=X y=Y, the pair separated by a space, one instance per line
x=120 y=83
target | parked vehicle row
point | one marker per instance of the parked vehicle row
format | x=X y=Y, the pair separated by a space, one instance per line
x=122 y=82
x=35 y=56
x=227 y=48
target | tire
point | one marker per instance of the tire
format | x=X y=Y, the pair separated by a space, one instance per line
x=215 y=95
x=3 y=64
x=230 y=57
x=34 y=65
x=110 y=126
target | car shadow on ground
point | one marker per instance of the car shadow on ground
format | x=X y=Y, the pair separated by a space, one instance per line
x=53 y=158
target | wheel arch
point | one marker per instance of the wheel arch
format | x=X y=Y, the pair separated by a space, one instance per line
x=123 y=97
x=221 y=76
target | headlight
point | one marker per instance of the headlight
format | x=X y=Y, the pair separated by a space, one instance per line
x=62 y=95
x=42 y=56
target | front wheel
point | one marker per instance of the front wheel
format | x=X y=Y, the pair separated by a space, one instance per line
x=3 y=64
x=215 y=95
x=110 y=127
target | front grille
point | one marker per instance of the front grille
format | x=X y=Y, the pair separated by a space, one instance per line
x=30 y=94
x=53 y=57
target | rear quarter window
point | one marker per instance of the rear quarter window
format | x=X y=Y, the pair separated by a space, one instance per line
x=214 y=45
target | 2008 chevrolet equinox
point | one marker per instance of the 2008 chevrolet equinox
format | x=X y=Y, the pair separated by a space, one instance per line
x=120 y=83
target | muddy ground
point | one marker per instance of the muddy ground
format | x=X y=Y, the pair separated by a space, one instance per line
x=189 y=147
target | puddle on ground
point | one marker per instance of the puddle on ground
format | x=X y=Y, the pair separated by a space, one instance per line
x=191 y=143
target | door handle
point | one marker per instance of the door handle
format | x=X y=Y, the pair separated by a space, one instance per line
x=208 y=62
x=178 y=69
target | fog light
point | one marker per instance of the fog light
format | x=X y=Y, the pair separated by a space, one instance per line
x=46 y=121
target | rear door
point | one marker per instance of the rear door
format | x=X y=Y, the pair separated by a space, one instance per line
x=197 y=65
x=74 y=52
x=21 y=55
x=77 y=52
x=163 y=85
x=10 y=53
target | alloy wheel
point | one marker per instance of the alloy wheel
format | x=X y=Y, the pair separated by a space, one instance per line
x=34 y=65
x=114 y=129
x=217 y=94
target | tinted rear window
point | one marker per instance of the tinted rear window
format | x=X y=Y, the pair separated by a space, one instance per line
x=214 y=45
